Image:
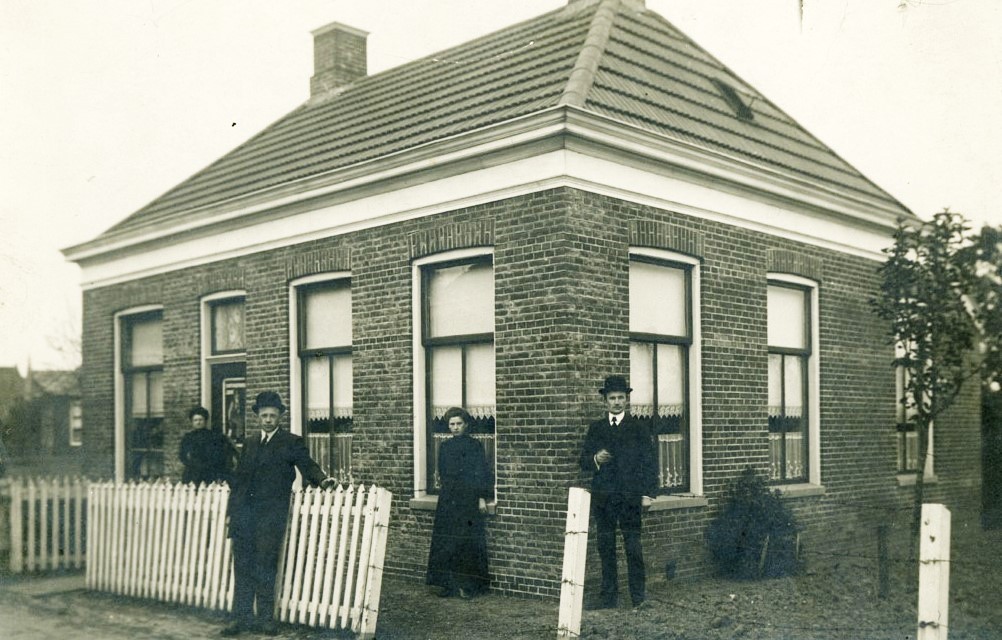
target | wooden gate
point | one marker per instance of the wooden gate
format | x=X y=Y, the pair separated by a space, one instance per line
x=169 y=542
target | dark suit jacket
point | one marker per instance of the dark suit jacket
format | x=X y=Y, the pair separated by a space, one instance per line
x=262 y=484
x=632 y=472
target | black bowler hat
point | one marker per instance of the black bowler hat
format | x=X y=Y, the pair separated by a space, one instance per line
x=268 y=399
x=615 y=383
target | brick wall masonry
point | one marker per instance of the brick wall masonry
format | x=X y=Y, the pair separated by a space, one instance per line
x=561 y=276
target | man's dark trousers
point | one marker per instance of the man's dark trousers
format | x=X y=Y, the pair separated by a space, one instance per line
x=608 y=514
x=255 y=563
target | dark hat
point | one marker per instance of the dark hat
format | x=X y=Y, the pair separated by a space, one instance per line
x=615 y=383
x=268 y=399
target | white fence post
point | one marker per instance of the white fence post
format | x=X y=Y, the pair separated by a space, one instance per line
x=934 y=573
x=575 y=552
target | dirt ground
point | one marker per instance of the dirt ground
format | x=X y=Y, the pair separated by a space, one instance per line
x=835 y=597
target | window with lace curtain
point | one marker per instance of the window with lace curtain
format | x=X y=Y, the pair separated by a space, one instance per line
x=142 y=367
x=457 y=336
x=790 y=345
x=661 y=341
x=324 y=319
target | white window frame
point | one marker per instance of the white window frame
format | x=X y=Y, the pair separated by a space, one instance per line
x=695 y=380
x=422 y=499
x=119 y=384
x=296 y=419
x=907 y=478
x=75 y=414
x=813 y=381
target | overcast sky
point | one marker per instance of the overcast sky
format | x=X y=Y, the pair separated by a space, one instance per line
x=106 y=104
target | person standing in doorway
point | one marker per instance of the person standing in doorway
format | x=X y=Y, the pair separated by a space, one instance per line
x=619 y=453
x=207 y=454
x=258 y=510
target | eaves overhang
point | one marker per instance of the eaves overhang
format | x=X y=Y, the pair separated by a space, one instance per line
x=560 y=127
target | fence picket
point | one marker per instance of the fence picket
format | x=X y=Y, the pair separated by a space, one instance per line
x=314 y=525
x=221 y=563
x=343 y=520
x=370 y=615
x=368 y=523
x=31 y=521
x=140 y=527
x=284 y=577
x=44 y=521
x=61 y=534
x=173 y=495
x=98 y=533
x=323 y=611
x=16 y=526
x=78 y=520
x=352 y=555
x=321 y=560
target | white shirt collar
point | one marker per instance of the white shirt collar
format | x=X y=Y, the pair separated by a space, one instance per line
x=618 y=416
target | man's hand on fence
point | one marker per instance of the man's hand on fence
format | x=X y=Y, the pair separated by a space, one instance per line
x=328 y=483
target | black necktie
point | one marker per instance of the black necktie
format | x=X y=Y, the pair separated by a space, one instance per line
x=614 y=421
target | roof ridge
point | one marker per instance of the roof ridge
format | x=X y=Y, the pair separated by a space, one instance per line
x=582 y=76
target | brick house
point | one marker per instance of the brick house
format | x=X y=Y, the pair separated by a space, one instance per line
x=499 y=226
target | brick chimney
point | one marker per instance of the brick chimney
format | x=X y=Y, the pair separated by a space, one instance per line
x=339 y=58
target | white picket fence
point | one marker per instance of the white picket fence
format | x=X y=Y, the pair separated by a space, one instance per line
x=46 y=523
x=169 y=542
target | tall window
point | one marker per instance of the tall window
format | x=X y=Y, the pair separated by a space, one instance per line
x=661 y=340
x=142 y=364
x=790 y=350
x=225 y=368
x=908 y=440
x=76 y=423
x=457 y=336
x=907 y=435
x=324 y=346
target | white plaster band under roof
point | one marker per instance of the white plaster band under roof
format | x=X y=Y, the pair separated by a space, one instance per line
x=597 y=154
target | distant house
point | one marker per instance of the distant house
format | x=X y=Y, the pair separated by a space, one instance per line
x=499 y=226
x=43 y=421
x=11 y=388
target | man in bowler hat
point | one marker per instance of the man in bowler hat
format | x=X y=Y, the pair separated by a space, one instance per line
x=619 y=452
x=258 y=509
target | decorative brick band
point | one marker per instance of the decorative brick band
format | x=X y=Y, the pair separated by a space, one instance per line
x=794 y=262
x=220 y=280
x=662 y=235
x=459 y=235
x=318 y=261
x=135 y=295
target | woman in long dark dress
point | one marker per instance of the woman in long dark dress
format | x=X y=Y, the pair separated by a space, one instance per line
x=207 y=455
x=457 y=561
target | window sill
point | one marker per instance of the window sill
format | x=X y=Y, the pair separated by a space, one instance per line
x=802 y=490
x=668 y=503
x=908 y=479
x=429 y=503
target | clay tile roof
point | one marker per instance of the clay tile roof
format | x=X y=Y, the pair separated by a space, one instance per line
x=610 y=57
